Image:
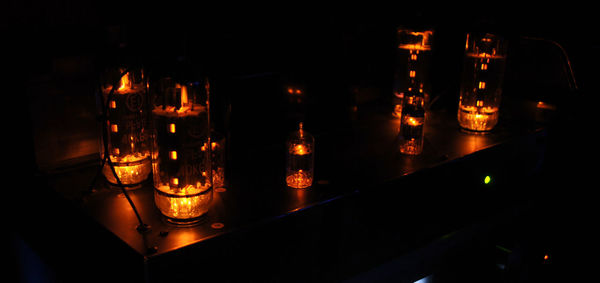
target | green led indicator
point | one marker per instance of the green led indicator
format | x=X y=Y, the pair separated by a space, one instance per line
x=487 y=179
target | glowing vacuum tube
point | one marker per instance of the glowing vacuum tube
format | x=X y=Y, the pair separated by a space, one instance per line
x=300 y=159
x=412 y=66
x=412 y=122
x=124 y=99
x=481 y=82
x=181 y=158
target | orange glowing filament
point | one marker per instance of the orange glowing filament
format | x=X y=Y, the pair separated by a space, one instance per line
x=422 y=45
x=173 y=155
x=213 y=146
x=412 y=73
x=125 y=82
x=184 y=96
x=172 y=128
x=412 y=121
x=300 y=149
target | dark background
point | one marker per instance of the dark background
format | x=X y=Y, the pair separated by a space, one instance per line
x=53 y=51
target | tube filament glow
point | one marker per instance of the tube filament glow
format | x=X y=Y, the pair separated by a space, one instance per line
x=300 y=159
x=481 y=84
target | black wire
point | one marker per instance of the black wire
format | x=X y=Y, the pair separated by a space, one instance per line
x=569 y=70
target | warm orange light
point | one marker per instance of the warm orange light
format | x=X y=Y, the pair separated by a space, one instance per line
x=411 y=134
x=290 y=90
x=213 y=145
x=397 y=110
x=543 y=105
x=114 y=128
x=113 y=104
x=172 y=128
x=412 y=121
x=125 y=82
x=131 y=169
x=173 y=155
x=116 y=151
x=184 y=96
x=300 y=149
x=178 y=205
x=481 y=85
x=546 y=257
x=298 y=91
x=478 y=118
x=299 y=180
x=412 y=73
x=423 y=45
x=484 y=66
